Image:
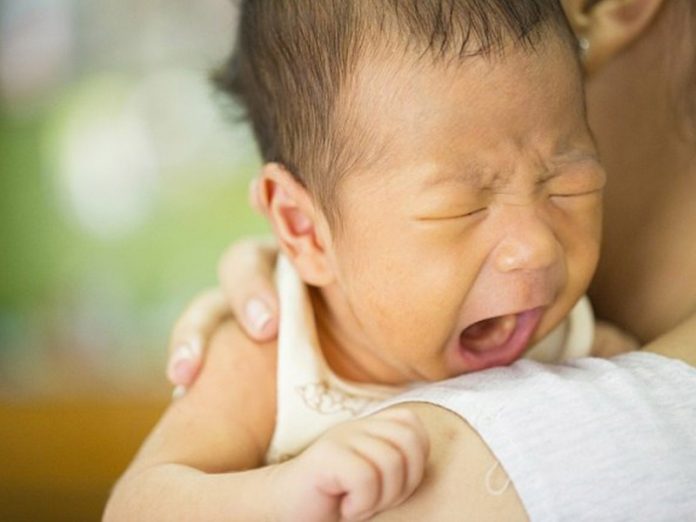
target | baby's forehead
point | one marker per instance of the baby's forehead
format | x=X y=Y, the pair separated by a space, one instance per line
x=463 y=111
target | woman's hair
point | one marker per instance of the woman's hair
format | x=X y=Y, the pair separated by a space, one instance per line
x=294 y=60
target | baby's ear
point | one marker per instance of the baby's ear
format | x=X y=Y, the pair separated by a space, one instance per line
x=607 y=27
x=298 y=224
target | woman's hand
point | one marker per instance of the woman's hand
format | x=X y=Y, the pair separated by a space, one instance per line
x=247 y=292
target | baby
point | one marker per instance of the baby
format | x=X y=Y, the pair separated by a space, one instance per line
x=436 y=193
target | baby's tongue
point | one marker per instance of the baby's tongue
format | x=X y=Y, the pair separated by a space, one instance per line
x=489 y=333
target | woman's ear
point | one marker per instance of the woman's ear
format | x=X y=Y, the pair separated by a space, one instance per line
x=606 y=27
x=299 y=226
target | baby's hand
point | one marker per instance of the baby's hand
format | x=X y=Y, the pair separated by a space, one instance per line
x=354 y=470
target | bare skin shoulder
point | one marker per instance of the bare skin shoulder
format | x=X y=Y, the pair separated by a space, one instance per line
x=463 y=480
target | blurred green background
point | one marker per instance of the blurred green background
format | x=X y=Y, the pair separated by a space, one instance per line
x=123 y=176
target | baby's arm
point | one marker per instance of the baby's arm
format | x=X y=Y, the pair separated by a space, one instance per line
x=191 y=466
x=224 y=423
x=609 y=340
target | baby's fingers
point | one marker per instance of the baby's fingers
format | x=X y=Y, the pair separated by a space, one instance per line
x=389 y=465
x=191 y=333
x=352 y=479
x=404 y=431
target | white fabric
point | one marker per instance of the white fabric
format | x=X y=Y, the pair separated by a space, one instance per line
x=589 y=440
x=311 y=398
x=570 y=339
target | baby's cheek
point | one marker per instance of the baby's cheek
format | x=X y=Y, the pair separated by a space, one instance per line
x=578 y=228
x=583 y=250
x=407 y=307
x=581 y=221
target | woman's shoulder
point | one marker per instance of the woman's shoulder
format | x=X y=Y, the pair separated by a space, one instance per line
x=463 y=481
x=570 y=437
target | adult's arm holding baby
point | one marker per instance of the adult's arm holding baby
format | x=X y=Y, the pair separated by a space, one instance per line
x=196 y=464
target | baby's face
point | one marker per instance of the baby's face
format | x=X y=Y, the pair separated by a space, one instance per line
x=478 y=229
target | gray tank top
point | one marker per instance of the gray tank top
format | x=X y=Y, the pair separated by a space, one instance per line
x=588 y=440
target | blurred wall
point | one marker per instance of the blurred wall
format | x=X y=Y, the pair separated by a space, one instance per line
x=122 y=178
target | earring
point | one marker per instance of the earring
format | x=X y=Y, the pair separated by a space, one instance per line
x=584 y=45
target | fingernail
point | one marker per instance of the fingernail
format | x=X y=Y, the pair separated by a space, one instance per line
x=195 y=344
x=258 y=314
x=181 y=367
x=178 y=392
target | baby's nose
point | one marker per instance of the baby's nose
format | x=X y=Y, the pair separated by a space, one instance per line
x=528 y=245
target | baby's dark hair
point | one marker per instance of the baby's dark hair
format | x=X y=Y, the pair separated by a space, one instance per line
x=294 y=59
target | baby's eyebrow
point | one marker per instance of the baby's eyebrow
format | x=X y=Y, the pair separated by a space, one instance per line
x=567 y=153
x=472 y=175
x=554 y=168
x=572 y=156
x=480 y=176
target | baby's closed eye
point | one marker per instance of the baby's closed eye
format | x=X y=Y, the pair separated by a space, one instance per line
x=577 y=179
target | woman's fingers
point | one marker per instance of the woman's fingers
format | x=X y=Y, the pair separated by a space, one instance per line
x=191 y=334
x=246 y=276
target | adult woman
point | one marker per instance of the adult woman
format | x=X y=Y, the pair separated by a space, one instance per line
x=640 y=56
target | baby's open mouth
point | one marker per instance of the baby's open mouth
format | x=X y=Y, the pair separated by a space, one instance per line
x=498 y=341
x=489 y=333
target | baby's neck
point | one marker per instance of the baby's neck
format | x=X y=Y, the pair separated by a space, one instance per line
x=345 y=347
